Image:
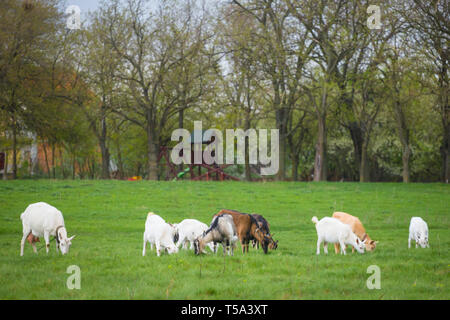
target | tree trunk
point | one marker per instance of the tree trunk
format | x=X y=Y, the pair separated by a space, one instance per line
x=181 y=126
x=281 y=119
x=81 y=169
x=91 y=163
x=44 y=147
x=73 y=167
x=445 y=146
x=53 y=161
x=63 y=172
x=295 y=163
x=119 y=161
x=14 y=173
x=152 y=153
x=358 y=141
x=105 y=151
x=444 y=107
x=403 y=132
x=405 y=159
x=444 y=154
x=364 y=172
x=248 y=176
x=320 y=162
x=105 y=159
x=282 y=157
x=5 y=171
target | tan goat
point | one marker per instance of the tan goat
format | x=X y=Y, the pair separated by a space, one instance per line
x=357 y=228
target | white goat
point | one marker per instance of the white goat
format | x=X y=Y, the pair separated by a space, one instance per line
x=190 y=229
x=222 y=230
x=418 y=231
x=331 y=230
x=160 y=234
x=42 y=219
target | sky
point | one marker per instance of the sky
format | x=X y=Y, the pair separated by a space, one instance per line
x=85 y=5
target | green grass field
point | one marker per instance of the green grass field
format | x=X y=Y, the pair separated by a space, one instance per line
x=108 y=219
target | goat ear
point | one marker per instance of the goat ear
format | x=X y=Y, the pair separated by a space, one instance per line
x=357 y=240
x=71 y=238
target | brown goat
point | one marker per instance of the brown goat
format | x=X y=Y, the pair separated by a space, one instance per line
x=247 y=229
x=265 y=227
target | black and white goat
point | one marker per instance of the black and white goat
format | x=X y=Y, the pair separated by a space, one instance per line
x=222 y=230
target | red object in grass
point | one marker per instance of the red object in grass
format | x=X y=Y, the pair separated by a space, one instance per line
x=135 y=178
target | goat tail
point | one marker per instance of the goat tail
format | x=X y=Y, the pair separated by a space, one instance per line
x=314 y=220
x=150 y=214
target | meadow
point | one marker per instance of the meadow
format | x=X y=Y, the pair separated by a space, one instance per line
x=108 y=220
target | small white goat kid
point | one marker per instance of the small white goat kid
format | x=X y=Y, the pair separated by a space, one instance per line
x=331 y=230
x=42 y=219
x=190 y=229
x=418 y=231
x=160 y=234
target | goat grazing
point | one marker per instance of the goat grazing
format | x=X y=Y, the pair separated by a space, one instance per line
x=357 y=228
x=418 y=231
x=331 y=230
x=190 y=229
x=160 y=234
x=222 y=230
x=247 y=229
x=265 y=227
x=41 y=219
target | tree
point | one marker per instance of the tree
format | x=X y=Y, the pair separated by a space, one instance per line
x=322 y=22
x=98 y=66
x=149 y=45
x=283 y=52
x=241 y=77
x=399 y=76
x=430 y=20
x=26 y=30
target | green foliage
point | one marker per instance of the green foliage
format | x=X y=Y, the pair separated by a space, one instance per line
x=118 y=87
